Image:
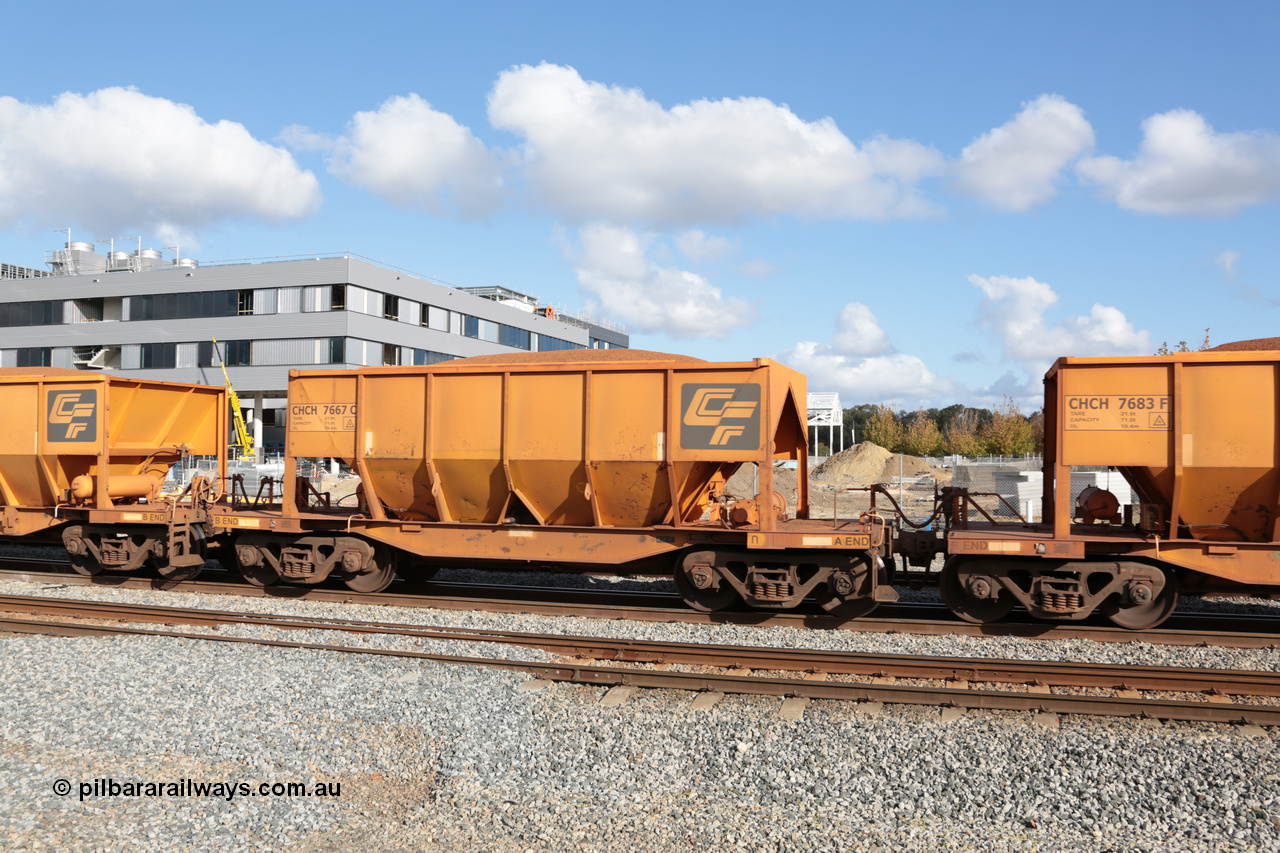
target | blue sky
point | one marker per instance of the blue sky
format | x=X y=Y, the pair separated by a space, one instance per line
x=915 y=203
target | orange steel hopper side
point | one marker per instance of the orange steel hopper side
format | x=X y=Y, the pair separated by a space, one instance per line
x=581 y=459
x=1197 y=437
x=92 y=449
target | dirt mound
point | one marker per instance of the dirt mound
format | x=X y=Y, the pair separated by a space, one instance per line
x=912 y=466
x=1255 y=345
x=859 y=465
x=743 y=483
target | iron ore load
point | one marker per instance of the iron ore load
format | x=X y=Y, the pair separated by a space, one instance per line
x=617 y=461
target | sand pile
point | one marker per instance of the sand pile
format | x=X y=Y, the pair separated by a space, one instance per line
x=912 y=466
x=859 y=465
x=743 y=483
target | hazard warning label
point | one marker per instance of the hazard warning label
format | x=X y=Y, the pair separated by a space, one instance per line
x=1117 y=412
x=322 y=417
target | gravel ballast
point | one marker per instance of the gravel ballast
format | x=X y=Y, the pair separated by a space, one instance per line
x=432 y=757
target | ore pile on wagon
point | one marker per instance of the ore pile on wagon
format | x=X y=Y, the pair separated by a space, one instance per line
x=621 y=460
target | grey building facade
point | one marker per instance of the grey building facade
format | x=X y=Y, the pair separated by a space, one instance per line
x=145 y=317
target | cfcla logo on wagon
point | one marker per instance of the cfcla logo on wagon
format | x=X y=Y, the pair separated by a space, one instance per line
x=73 y=416
x=720 y=417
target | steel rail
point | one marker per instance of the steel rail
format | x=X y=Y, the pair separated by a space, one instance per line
x=1048 y=673
x=740 y=684
x=427 y=595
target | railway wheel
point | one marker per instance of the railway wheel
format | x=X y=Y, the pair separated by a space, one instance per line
x=78 y=553
x=253 y=568
x=1144 y=606
x=160 y=558
x=848 y=595
x=382 y=572
x=966 y=589
x=85 y=564
x=691 y=571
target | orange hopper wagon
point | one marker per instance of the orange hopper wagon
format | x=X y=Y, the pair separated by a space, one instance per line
x=1197 y=438
x=586 y=460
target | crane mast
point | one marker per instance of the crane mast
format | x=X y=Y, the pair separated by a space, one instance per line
x=244 y=441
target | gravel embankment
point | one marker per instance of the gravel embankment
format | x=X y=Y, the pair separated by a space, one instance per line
x=431 y=757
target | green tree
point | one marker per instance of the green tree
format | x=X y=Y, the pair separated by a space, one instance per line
x=883 y=428
x=961 y=435
x=921 y=436
x=1009 y=433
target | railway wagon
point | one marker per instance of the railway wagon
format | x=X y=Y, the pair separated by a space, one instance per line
x=582 y=460
x=83 y=456
x=1196 y=436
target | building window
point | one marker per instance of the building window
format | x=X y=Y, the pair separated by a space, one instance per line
x=233 y=353
x=470 y=326
x=35 y=357
x=390 y=355
x=183 y=306
x=546 y=343
x=435 y=318
x=159 y=356
x=338 y=297
x=244 y=302
x=337 y=350
x=31 y=313
x=391 y=307
x=426 y=356
x=237 y=353
x=510 y=336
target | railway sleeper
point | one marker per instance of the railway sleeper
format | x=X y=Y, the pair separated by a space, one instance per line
x=177 y=552
x=1132 y=594
x=265 y=559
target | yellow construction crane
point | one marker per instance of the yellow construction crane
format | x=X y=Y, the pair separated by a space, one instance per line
x=243 y=441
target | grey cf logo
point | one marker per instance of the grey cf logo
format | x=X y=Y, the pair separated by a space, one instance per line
x=720 y=417
x=73 y=416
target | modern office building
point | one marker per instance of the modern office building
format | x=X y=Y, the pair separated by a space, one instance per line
x=136 y=313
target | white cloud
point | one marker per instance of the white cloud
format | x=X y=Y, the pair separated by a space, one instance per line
x=899 y=377
x=861 y=364
x=859 y=333
x=1227 y=262
x=1014 y=309
x=1015 y=166
x=1027 y=392
x=592 y=151
x=698 y=247
x=416 y=158
x=616 y=274
x=116 y=159
x=757 y=268
x=1184 y=168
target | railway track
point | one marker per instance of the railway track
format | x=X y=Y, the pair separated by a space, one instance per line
x=956 y=682
x=1226 y=630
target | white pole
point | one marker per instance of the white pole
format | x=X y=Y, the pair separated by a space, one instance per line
x=899 y=479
